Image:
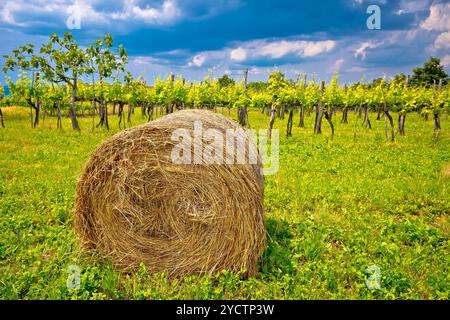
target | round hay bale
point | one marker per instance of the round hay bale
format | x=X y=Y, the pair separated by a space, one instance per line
x=135 y=205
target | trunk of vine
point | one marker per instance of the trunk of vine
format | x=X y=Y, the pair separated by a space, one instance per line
x=101 y=115
x=328 y=116
x=93 y=113
x=289 y=123
x=169 y=108
x=2 y=123
x=93 y=103
x=391 y=122
x=318 y=119
x=366 y=121
x=73 y=118
x=121 y=115
x=106 y=116
x=386 y=128
x=401 y=123
x=273 y=112
x=150 y=113
x=72 y=113
x=344 y=116
x=36 y=114
x=379 y=113
x=114 y=108
x=301 y=124
x=59 y=121
x=437 y=124
x=130 y=111
x=33 y=106
x=242 y=116
x=31 y=116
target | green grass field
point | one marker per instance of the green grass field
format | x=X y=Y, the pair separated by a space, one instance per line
x=335 y=208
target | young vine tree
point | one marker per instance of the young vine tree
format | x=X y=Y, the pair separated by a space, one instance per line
x=26 y=91
x=61 y=60
x=105 y=62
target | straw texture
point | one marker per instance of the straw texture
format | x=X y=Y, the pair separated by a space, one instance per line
x=134 y=205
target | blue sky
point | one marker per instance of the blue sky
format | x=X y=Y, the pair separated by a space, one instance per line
x=200 y=37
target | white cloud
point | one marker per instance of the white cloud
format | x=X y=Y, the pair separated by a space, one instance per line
x=443 y=41
x=120 y=14
x=87 y=12
x=238 y=54
x=261 y=49
x=44 y=13
x=213 y=58
x=197 y=61
x=148 y=60
x=279 y=49
x=276 y=49
x=314 y=48
x=412 y=6
x=446 y=60
x=255 y=70
x=141 y=60
x=7 y=13
x=411 y=34
x=361 y=50
x=38 y=12
x=166 y=13
x=439 y=18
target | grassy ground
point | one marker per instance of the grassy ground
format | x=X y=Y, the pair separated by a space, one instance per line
x=335 y=208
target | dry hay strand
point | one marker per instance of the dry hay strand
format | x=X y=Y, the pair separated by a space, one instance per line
x=446 y=171
x=134 y=205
